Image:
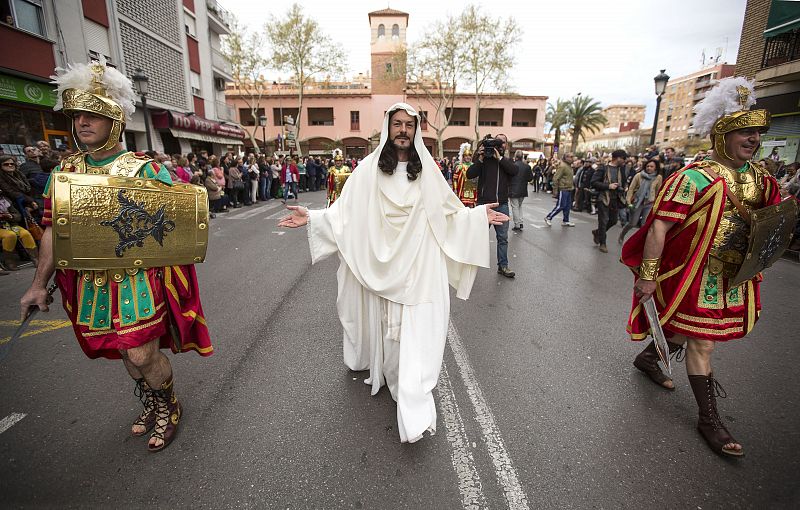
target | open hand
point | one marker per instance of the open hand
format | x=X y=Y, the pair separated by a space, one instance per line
x=494 y=217
x=297 y=218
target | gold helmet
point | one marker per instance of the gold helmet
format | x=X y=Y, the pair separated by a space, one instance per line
x=726 y=108
x=338 y=155
x=465 y=150
x=98 y=89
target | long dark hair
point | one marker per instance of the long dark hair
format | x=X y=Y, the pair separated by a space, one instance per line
x=387 y=161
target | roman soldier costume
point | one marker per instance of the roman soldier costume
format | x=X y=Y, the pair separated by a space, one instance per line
x=729 y=224
x=124 y=241
x=337 y=176
x=465 y=189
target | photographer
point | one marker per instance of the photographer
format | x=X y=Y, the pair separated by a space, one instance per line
x=609 y=182
x=494 y=172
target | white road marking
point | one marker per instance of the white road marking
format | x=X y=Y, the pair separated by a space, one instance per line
x=252 y=212
x=469 y=482
x=279 y=233
x=9 y=421
x=503 y=467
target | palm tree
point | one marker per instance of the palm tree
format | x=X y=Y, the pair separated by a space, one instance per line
x=584 y=115
x=558 y=117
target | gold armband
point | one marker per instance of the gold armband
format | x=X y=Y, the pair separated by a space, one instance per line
x=648 y=269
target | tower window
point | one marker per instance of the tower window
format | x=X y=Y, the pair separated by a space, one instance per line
x=388 y=67
x=381 y=30
x=395 y=31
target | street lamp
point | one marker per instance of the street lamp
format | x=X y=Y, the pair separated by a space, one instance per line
x=661 y=85
x=280 y=108
x=263 y=121
x=142 y=83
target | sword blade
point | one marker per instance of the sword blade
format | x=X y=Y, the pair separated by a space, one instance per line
x=6 y=347
x=657 y=333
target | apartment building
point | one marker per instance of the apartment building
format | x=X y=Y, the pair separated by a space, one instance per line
x=769 y=52
x=675 y=118
x=174 y=42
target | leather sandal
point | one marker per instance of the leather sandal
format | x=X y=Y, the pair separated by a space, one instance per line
x=709 y=424
x=148 y=417
x=168 y=415
x=647 y=362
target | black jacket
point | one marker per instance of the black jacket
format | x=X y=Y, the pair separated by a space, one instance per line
x=493 y=182
x=519 y=183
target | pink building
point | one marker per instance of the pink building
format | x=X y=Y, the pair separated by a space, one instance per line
x=350 y=115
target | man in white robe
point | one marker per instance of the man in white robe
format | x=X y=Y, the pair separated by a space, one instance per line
x=401 y=235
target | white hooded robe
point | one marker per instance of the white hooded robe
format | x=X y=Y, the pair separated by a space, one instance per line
x=400 y=243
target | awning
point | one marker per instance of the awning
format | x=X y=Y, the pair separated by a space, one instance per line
x=784 y=16
x=204 y=137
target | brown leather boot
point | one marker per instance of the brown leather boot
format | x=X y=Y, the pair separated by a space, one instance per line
x=710 y=425
x=168 y=415
x=647 y=362
x=148 y=417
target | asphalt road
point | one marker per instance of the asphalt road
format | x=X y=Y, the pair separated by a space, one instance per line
x=539 y=405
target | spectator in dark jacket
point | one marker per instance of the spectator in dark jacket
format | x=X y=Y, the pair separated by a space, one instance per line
x=519 y=189
x=494 y=174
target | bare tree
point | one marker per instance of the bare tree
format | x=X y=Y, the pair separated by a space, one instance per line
x=243 y=49
x=298 y=46
x=434 y=66
x=486 y=43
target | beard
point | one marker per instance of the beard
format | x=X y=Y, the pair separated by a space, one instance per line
x=397 y=141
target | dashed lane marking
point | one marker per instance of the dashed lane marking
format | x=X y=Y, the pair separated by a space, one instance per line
x=504 y=469
x=469 y=482
x=36 y=327
x=10 y=420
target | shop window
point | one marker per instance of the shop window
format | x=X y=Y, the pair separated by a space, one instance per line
x=26 y=15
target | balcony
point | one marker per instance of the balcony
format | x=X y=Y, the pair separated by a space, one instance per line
x=781 y=49
x=225 y=112
x=219 y=19
x=220 y=64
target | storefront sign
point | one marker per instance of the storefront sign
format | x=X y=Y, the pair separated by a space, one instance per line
x=193 y=123
x=26 y=91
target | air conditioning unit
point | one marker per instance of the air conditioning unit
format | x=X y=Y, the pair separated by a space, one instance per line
x=196 y=91
x=219 y=84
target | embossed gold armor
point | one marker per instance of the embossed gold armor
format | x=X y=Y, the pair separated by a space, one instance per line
x=112 y=222
x=338 y=177
x=731 y=241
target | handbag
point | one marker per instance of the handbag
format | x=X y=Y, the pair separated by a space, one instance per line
x=36 y=231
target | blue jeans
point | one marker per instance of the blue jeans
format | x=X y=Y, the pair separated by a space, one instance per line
x=263 y=188
x=564 y=204
x=501 y=232
x=286 y=187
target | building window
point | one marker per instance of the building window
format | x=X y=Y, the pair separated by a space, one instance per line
x=191 y=25
x=24 y=14
x=423 y=122
x=320 y=116
x=388 y=68
x=381 y=31
x=194 y=78
x=395 y=31
x=523 y=117
x=490 y=117
x=355 y=121
x=246 y=116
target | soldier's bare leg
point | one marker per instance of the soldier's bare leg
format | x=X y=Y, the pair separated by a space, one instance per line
x=149 y=363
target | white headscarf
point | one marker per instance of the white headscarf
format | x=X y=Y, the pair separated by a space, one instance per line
x=386 y=261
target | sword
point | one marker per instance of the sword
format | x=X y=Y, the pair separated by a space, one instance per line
x=657 y=333
x=6 y=347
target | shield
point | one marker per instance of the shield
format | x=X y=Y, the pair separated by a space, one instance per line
x=109 y=222
x=771 y=231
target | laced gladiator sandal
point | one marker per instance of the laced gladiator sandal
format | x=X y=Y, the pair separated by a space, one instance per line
x=168 y=415
x=710 y=425
x=647 y=362
x=148 y=417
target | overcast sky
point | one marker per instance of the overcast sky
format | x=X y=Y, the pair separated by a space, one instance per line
x=608 y=49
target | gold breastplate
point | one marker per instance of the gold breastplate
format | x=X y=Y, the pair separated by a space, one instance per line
x=730 y=242
x=339 y=178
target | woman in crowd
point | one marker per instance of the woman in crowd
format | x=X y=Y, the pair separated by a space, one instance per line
x=12 y=231
x=642 y=194
x=235 y=185
x=15 y=186
x=289 y=177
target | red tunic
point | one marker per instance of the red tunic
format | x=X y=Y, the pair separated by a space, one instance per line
x=690 y=300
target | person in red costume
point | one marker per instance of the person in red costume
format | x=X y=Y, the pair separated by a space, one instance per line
x=693 y=244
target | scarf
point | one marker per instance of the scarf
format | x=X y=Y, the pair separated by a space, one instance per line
x=643 y=193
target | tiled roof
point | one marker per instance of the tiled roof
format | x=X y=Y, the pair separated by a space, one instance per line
x=388 y=12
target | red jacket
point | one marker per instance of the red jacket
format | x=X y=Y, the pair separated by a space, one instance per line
x=293 y=169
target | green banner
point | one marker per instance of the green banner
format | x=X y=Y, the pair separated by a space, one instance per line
x=26 y=91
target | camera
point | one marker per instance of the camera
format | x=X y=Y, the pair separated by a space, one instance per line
x=489 y=144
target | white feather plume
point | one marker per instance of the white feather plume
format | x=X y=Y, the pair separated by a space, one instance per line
x=721 y=100
x=464 y=147
x=79 y=76
x=337 y=152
